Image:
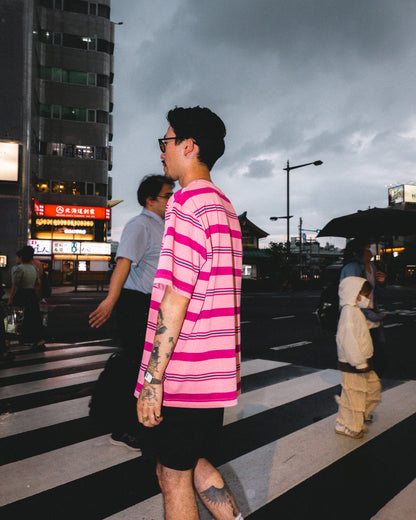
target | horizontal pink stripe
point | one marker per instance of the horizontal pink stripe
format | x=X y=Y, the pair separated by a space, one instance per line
x=163 y=276
x=203 y=356
x=223 y=229
x=185 y=241
x=188 y=194
x=213 y=313
x=196 y=398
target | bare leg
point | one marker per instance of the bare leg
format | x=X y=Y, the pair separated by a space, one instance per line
x=178 y=493
x=214 y=492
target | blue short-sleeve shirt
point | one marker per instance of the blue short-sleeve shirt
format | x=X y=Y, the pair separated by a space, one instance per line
x=141 y=242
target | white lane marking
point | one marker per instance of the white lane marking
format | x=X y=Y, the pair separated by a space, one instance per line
x=390 y=325
x=260 y=476
x=283 y=317
x=292 y=345
x=90 y=342
x=54 y=365
x=49 y=471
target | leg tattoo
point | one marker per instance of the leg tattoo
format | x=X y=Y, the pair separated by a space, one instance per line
x=219 y=497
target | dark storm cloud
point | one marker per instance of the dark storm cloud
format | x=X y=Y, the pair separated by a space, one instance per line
x=260 y=168
x=299 y=80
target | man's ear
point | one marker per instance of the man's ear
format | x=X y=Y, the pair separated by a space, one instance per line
x=149 y=202
x=189 y=147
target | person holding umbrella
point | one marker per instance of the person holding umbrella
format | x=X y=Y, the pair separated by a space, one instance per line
x=357 y=262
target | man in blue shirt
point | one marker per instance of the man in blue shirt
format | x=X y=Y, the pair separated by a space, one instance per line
x=131 y=286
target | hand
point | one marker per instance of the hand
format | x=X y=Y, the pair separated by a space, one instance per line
x=149 y=405
x=101 y=314
x=380 y=276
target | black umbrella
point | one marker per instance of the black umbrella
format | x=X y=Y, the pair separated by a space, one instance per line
x=374 y=222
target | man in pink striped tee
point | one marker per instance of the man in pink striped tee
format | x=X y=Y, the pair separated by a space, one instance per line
x=190 y=368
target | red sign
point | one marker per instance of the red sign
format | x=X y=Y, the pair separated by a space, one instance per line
x=51 y=210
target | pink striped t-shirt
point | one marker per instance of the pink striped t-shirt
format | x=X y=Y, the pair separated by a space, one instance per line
x=201 y=258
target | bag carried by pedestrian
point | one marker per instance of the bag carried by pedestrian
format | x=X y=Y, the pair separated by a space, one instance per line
x=112 y=399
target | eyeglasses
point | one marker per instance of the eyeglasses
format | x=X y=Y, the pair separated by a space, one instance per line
x=162 y=144
x=167 y=196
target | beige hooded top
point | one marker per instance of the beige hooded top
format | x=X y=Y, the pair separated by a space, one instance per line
x=354 y=344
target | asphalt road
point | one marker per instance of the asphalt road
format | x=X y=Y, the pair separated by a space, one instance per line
x=279 y=326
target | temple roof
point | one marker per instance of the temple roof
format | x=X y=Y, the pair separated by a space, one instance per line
x=250 y=229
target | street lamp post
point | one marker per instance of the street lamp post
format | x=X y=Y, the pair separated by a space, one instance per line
x=288 y=169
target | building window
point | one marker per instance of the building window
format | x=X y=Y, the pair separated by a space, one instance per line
x=74 y=77
x=92 y=9
x=89 y=43
x=74 y=151
x=42 y=186
x=73 y=114
x=100 y=189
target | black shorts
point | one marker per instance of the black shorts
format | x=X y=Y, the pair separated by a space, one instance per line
x=185 y=435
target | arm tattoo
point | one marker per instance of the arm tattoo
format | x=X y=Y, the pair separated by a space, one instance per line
x=154 y=360
x=148 y=394
x=219 y=497
x=160 y=327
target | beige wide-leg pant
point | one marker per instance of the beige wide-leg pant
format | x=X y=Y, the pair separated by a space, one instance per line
x=360 y=394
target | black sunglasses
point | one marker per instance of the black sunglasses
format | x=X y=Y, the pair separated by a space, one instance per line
x=162 y=144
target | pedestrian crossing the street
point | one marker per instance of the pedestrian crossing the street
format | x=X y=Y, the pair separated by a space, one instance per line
x=280 y=456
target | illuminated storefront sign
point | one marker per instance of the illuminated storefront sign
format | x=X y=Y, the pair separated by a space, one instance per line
x=41 y=247
x=95 y=248
x=68 y=247
x=9 y=162
x=3 y=260
x=90 y=212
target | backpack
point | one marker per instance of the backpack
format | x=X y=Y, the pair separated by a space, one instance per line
x=112 y=401
x=328 y=308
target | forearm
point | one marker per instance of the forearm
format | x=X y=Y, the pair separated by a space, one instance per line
x=170 y=318
x=171 y=314
x=103 y=312
x=119 y=276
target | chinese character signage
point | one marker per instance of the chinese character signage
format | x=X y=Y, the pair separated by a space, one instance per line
x=51 y=210
x=41 y=247
x=66 y=248
x=95 y=248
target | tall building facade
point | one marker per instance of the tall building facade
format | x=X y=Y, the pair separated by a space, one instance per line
x=57 y=121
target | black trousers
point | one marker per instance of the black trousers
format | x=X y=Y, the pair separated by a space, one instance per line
x=131 y=314
x=32 y=330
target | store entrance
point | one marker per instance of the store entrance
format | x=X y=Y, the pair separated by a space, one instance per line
x=68 y=270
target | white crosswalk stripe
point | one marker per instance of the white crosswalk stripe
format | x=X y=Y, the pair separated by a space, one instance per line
x=261 y=474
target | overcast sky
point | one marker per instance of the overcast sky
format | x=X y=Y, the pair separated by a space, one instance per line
x=293 y=80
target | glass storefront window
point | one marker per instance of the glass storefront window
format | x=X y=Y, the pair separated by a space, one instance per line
x=91 y=116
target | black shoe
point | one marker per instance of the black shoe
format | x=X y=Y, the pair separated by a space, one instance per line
x=39 y=346
x=125 y=439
